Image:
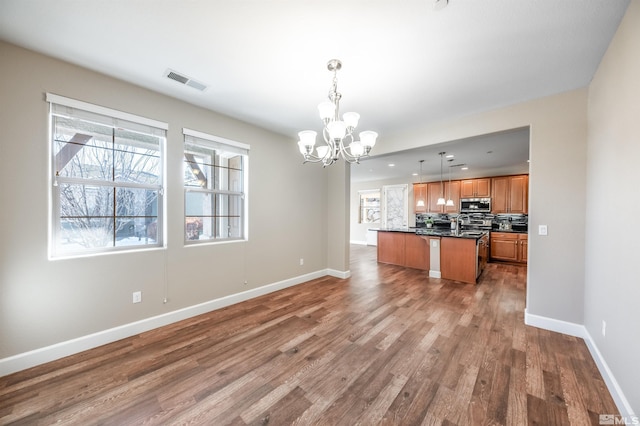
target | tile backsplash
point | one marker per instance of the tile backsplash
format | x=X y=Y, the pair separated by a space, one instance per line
x=516 y=222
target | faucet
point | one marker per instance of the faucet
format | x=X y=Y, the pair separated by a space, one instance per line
x=459 y=221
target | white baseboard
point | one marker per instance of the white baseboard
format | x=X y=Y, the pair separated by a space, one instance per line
x=360 y=243
x=435 y=274
x=578 y=330
x=612 y=384
x=339 y=274
x=559 y=326
x=39 y=356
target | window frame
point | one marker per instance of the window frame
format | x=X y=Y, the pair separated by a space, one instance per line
x=217 y=143
x=118 y=121
x=363 y=196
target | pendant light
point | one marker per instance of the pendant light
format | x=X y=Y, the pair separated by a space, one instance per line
x=441 y=200
x=420 y=202
x=449 y=201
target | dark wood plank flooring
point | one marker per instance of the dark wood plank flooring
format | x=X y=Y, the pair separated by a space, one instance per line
x=387 y=346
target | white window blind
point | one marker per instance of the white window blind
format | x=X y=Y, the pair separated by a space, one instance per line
x=108 y=184
x=215 y=186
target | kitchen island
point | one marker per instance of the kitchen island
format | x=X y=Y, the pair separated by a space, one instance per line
x=454 y=255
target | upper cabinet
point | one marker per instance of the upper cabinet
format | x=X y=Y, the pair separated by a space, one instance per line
x=475 y=188
x=436 y=190
x=509 y=194
x=420 y=194
x=452 y=189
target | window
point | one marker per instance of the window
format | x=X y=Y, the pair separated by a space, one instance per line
x=215 y=176
x=369 y=206
x=107 y=191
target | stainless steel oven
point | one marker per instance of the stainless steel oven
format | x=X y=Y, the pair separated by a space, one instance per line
x=482 y=253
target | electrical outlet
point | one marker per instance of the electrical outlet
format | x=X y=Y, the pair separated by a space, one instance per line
x=542 y=230
x=137 y=296
x=301 y=261
x=604 y=328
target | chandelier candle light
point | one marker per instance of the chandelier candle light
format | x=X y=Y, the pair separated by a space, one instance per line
x=337 y=134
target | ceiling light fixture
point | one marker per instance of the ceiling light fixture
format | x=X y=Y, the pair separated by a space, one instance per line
x=441 y=201
x=449 y=200
x=336 y=133
x=420 y=202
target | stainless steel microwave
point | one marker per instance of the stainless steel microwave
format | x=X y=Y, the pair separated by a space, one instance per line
x=475 y=205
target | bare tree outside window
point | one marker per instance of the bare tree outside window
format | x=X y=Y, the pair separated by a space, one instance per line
x=107 y=186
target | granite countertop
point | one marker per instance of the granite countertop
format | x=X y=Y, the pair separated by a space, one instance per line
x=450 y=233
x=410 y=230
x=437 y=232
x=509 y=231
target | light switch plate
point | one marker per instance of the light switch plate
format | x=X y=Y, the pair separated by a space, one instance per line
x=542 y=229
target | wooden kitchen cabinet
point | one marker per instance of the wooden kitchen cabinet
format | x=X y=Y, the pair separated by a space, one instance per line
x=454 y=194
x=475 y=188
x=416 y=251
x=458 y=259
x=391 y=247
x=403 y=249
x=510 y=194
x=420 y=193
x=511 y=247
x=435 y=191
x=523 y=239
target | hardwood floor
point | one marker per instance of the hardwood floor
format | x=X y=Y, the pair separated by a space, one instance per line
x=387 y=346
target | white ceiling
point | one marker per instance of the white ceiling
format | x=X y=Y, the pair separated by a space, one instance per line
x=496 y=154
x=264 y=61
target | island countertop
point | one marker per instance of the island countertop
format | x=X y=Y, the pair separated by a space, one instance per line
x=433 y=232
x=445 y=253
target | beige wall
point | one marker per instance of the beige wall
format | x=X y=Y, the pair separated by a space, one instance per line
x=44 y=302
x=358 y=231
x=612 y=290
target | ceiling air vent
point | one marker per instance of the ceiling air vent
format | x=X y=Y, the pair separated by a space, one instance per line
x=182 y=79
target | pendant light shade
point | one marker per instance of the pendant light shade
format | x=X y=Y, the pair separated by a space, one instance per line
x=441 y=201
x=449 y=200
x=420 y=202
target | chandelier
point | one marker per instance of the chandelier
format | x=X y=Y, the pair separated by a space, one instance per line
x=338 y=134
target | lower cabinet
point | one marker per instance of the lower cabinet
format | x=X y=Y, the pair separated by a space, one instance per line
x=458 y=259
x=510 y=247
x=404 y=249
x=416 y=251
